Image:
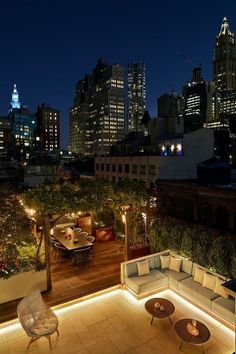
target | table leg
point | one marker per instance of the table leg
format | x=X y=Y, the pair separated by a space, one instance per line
x=203 y=349
x=170 y=321
x=152 y=319
x=180 y=345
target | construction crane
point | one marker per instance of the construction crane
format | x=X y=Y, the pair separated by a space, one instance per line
x=190 y=62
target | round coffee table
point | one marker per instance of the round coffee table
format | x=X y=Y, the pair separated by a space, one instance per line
x=186 y=336
x=167 y=311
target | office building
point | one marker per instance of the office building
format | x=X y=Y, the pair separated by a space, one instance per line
x=48 y=128
x=169 y=105
x=224 y=62
x=98 y=114
x=198 y=97
x=23 y=133
x=80 y=125
x=136 y=96
x=5 y=137
x=169 y=113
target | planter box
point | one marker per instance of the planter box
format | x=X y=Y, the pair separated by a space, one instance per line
x=104 y=234
x=22 y=284
x=139 y=252
x=85 y=223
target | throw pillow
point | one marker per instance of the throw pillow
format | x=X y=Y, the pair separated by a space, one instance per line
x=143 y=268
x=209 y=281
x=199 y=275
x=219 y=290
x=175 y=264
x=165 y=261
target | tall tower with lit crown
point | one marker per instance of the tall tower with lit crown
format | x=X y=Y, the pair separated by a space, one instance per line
x=15 y=103
x=224 y=62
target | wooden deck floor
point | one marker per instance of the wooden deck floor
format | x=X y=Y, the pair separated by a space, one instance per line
x=73 y=281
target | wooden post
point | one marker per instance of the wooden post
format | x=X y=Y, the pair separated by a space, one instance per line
x=47 y=250
x=127 y=240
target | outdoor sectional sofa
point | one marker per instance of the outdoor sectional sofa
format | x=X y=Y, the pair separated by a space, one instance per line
x=182 y=282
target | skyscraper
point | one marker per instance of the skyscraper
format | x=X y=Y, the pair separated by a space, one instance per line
x=23 y=131
x=80 y=126
x=48 y=128
x=97 y=117
x=5 y=136
x=170 y=108
x=136 y=95
x=198 y=97
x=224 y=62
x=15 y=103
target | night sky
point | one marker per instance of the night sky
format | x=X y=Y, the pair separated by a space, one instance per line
x=47 y=45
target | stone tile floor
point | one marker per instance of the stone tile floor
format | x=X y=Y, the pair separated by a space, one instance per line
x=118 y=323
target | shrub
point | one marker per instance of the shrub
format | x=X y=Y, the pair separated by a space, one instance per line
x=219 y=256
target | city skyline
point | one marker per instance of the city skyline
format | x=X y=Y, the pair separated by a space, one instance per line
x=60 y=47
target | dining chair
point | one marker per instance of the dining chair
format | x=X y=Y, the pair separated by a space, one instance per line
x=81 y=255
x=91 y=239
x=62 y=251
x=37 y=318
x=83 y=234
x=77 y=230
x=53 y=246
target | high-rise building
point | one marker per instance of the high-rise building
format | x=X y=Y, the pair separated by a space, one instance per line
x=23 y=131
x=15 y=103
x=169 y=105
x=98 y=114
x=224 y=62
x=5 y=136
x=198 y=96
x=136 y=96
x=80 y=126
x=48 y=128
x=170 y=112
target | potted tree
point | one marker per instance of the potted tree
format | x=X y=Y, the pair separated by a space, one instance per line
x=132 y=200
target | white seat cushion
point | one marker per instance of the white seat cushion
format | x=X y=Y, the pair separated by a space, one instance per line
x=46 y=323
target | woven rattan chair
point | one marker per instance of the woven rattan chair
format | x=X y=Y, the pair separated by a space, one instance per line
x=37 y=318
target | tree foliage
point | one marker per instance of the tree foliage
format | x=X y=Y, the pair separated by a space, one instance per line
x=16 y=234
x=16 y=226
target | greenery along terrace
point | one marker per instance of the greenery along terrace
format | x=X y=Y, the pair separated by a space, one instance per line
x=20 y=251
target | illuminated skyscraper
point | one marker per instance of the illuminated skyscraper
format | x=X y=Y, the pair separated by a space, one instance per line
x=136 y=96
x=23 y=131
x=15 y=103
x=97 y=117
x=198 y=96
x=48 y=128
x=224 y=62
x=5 y=136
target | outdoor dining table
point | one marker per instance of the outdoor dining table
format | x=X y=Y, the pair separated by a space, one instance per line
x=69 y=243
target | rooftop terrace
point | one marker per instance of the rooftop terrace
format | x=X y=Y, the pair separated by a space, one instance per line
x=115 y=322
